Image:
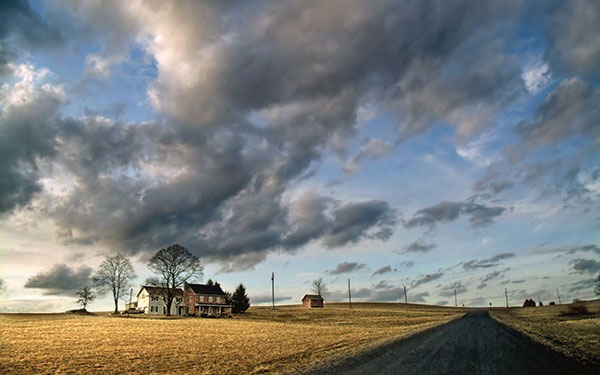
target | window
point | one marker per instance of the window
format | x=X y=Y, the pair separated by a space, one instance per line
x=218 y=299
x=178 y=299
x=210 y=299
x=154 y=298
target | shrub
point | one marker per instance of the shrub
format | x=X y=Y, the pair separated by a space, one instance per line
x=577 y=309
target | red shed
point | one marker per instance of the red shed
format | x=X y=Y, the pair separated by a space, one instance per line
x=312 y=300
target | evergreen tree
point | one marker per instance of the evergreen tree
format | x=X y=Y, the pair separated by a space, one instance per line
x=209 y=282
x=228 y=297
x=239 y=300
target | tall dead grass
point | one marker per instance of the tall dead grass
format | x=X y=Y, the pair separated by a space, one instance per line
x=261 y=341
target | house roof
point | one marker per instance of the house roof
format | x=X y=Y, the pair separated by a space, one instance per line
x=312 y=296
x=206 y=289
x=153 y=290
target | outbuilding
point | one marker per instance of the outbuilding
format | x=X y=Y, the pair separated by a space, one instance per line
x=312 y=301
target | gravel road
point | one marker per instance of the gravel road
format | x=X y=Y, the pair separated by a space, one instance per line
x=474 y=344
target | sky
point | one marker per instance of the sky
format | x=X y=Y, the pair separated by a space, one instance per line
x=439 y=145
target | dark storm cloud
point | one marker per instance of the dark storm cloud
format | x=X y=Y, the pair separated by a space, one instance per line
x=486 y=263
x=214 y=180
x=60 y=279
x=479 y=215
x=345 y=267
x=571 y=109
x=382 y=270
x=583 y=266
x=419 y=247
x=426 y=279
x=27 y=137
x=352 y=221
x=22 y=28
x=574 y=45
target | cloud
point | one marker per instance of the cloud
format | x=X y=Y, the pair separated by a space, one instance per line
x=582 y=285
x=60 y=279
x=217 y=169
x=407 y=264
x=21 y=28
x=571 y=109
x=426 y=279
x=419 y=297
x=442 y=303
x=268 y=298
x=382 y=270
x=583 y=266
x=486 y=263
x=491 y=276
x=372 y=148
x=346 y=267
x=573 y=42
x=479 y=215
x=568 y=249
x=2 y=287
x=352 y=221
x=448 y=290
x=390 y=294
x=418 y=247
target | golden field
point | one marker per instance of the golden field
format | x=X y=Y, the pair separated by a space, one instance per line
x=287 y=339
x=574 y=336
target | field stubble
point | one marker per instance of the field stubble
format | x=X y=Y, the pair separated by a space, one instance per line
x=574 y=336
x=288 y=339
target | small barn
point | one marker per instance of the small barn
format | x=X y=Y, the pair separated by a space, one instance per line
x=312 y=300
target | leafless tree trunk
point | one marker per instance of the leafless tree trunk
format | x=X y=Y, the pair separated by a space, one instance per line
x=319 y=287
x=115 y=274
x=175 y=265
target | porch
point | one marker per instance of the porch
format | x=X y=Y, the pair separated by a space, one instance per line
x=211 y=310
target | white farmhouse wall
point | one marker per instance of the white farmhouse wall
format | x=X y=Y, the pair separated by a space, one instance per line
x=155 y=307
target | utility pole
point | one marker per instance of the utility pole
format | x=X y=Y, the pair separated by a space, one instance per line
x=405 y=297
x=506 y=295
x=455 y=300
x=273 y=289
x=349 y=294
x=558 y=295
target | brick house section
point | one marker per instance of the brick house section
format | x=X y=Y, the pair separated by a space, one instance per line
x=205 y=300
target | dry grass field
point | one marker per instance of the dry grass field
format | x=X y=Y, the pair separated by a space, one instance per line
x=288 y=339
x=573 y=335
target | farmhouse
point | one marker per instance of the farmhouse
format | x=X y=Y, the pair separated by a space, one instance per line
x=206 y=300
x=151 y=300
x=312 y=300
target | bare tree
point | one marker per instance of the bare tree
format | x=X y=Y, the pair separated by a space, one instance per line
x=86 y=296
x=319 y=287
x=175 y=265
x=115 y=274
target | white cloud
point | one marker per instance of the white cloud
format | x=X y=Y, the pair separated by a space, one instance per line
x=536 y=76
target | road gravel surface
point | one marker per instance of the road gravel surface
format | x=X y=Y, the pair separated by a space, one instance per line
x=474 y=344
